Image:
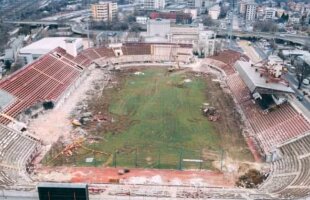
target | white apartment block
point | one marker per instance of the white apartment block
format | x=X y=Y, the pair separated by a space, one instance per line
x=104 y=11
x=141 y=19
x=194 y=3
x=158 y=27
x=270 y=13
x=154 y=4
x=250 y=13
x=242 y=7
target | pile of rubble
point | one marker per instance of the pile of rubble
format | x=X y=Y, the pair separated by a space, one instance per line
x=201 y=194
x=81 y=112
x=210 y=112
x=143 y=192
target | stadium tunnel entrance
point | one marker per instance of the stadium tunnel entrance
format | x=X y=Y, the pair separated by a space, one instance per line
x=48 y=105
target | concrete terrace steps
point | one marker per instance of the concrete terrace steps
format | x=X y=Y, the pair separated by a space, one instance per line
x=238 y=88
x=296 y=159
x=104 y=52
x=261 y=121
x=271 y=130
x=16 y=151
x=282 y=132
x=43 y=80
x=136 y=49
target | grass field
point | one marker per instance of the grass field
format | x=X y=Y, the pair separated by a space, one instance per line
x=157 y=122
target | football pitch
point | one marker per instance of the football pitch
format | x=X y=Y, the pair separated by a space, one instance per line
x=156 y=122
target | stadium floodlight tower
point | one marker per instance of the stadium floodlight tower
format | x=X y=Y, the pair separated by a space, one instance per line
x=230 y=31
x=87 y=25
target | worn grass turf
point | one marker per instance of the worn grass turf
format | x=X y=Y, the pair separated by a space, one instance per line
x=162 y=124
x=165 y=114
x=166 y=120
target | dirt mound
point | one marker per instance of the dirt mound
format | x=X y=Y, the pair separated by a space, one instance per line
x=251 y=179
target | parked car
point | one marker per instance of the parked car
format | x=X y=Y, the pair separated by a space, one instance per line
x=300 y=97
x=306 y=81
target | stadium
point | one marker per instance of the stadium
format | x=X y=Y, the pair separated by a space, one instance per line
x=41 y=102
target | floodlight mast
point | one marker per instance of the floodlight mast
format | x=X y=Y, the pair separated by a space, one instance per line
x=230 y=32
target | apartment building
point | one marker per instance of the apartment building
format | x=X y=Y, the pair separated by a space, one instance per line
x=104 y=11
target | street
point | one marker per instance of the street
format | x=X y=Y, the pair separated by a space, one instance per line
x=294 y=84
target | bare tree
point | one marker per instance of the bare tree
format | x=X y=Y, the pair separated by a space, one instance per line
x=7 y=64
x=265 y=26
x=307 y=45
x=302 y=70
x=207 y=21
x=273 y=45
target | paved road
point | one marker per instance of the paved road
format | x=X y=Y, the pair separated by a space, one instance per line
x=286 y=37
x=250 y=51
x=294 y=84
x=260 y=52
x=300 y=39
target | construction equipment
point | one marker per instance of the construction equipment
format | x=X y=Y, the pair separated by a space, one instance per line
x=175 y=58
x=272 y=72
x=210 y=112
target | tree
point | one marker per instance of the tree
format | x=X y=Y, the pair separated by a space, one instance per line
x=273 y=45
x=25 y=30
x=7 y=64
x=308 y=31
x=296 y=26
x=307 y=46
x=206 y=12
x=285 y=17
x=135 y=28
x=302 y=70
x=223 y=12
x=265 y=26
x=115 y=25
x=4 y=29
x=121 y=2
x=207 y=21
x=118 y=26
x=303 y=20
x=131 y=19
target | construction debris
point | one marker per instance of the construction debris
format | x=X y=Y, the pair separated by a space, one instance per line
x=210 y=112
x=76 y=122
x=68 y=150
x=72 y=147
x=79 y=131
x=100 y=117
x=171 y=69
x=251 y=179
x=87 y=114
x=93 y=190
x=89 y=160
x=138 y=73
x=142 y=192
x=114 y=180
x=123 y=171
